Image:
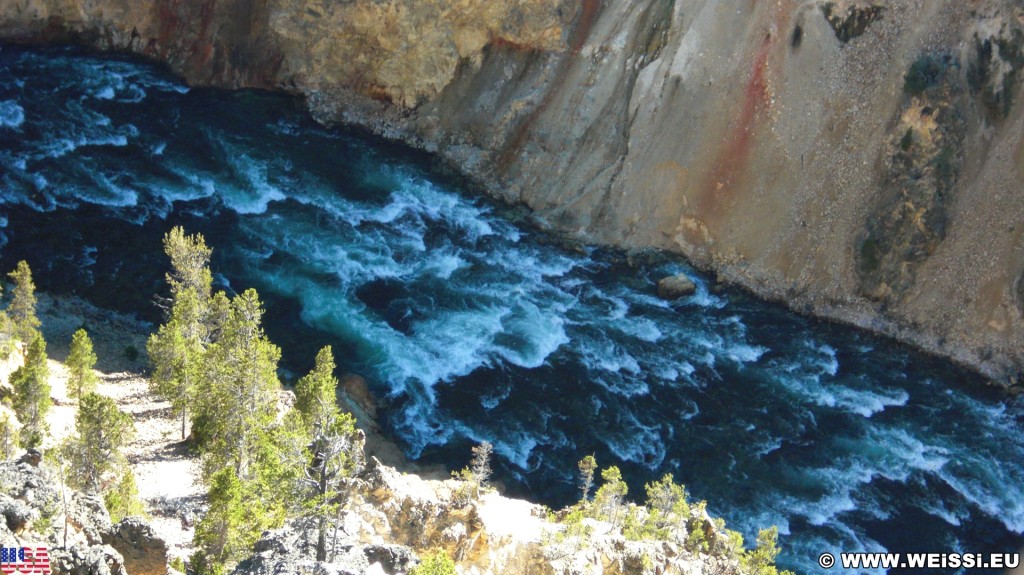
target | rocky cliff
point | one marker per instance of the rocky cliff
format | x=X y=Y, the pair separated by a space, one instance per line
x=858 y=159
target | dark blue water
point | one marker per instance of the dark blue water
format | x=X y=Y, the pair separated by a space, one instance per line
x=471 y=326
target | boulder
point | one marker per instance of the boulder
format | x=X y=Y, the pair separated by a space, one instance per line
x=16 y=514
x=391 y=558
x=82 y=560
x=31 y=457
x=676 y=286
x=143 y=551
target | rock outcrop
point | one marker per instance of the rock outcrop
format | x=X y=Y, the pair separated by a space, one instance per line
x=388 y=518
x=144 y=552
x=75 y=528
x=857 y=159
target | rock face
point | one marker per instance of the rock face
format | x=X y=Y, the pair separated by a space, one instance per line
x=389 y=517
x=857 y=159
x=75 y=528
x=143 y=551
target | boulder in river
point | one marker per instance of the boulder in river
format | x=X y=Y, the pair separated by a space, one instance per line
x=676 y=286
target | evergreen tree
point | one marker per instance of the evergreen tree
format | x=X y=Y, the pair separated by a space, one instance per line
x=216 y=537
x=176 y=351
x=335 y=446
x=237 y=515
x=31 y=383
x=8 y=434
x=195 y=320
x=480 y=465
x=238 y=406
x=190 y=263
x=587 y=467
x=81 y=359
x=22 y=310
x=95 y=452
x=610 y=497
x=122 y=500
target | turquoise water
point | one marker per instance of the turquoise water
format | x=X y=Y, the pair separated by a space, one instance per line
x=471 y=326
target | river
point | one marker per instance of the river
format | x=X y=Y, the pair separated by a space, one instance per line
x=470 y=325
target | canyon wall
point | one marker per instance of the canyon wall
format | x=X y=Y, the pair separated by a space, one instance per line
x=858 y=159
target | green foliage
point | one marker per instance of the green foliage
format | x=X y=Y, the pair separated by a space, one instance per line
x=236 y=518
x=31 y=383
x=190 y=261
x=436 y=562
x=315 y=392
x=238 y=403
x=22 y=309
x=218 y=537
x=8 y=436
x=131 y=353
x=80 y=361
x=178 y=564
x=333 y=446
x=176 y=351
x=907 y=140
x=94 y=453
x=761 y=559
x=697 y=530
x=587 y=467
x=608 y=502
x=925 y=72
x=123 y=499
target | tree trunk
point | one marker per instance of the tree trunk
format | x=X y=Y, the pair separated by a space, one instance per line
x=321 y=540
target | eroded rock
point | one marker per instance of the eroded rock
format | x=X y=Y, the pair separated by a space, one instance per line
x=677 y=286
x=143 y=551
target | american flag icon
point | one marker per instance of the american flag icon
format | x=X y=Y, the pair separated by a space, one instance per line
x=24 y=560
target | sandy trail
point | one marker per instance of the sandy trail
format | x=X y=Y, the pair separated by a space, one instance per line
x=167 y=476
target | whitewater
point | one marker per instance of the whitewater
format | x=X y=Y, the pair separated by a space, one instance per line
x=470 y=325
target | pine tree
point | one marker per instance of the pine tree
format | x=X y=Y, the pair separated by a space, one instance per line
x=238 y=406
x=81 y=359
x=335 y=446
x=8 y=434
x=609 y=499
x=480 y=465
x=95 y=452
x=216 y=538
x=122 y=500
x=587 y=467
x=195 y=320
x=22 y=310
x=31 y=384
x=176 y=351
x=190 y=262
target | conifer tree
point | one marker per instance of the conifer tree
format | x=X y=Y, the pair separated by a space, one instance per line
x=190 y=264
x=587 y=467
x=176 y=351
x=610 y=497
x=22 y=310
x=31 y=383
x=239 y=402
x=216 y=537
x=81 y=359
x=194 y=320
x=8 y=434
x=335 y=446
x=95 y=451
x=480 y=465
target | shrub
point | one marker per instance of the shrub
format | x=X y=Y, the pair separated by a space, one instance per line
x=436 y=562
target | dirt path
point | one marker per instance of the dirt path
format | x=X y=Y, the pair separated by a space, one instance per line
x=168 y=479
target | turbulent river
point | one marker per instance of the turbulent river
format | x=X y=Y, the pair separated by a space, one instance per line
x=472 y=326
